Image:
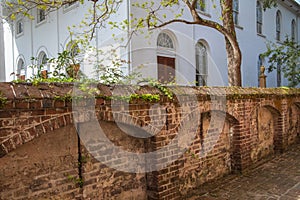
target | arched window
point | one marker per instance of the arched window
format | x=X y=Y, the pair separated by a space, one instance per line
x=259 y=17
x=164 y=40
x=235 y=9
x=278 y=25
x=201 y=64
x=42 y=58
x=20 y=65
x=73 y=48
x=41 y=15
x=19 y=27
x=293 y=30
x=21 y=72
x=42 y=61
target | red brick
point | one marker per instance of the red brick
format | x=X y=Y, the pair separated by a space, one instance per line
x=165 y=183
x=47 y=103
x=22 y=104
x=59 y=104
x=35 y=105
x=5 y=114
x=6 y=90
x=9 y=104
x=17 y=140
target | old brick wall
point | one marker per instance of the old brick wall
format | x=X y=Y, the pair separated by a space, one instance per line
x=232 y=129
x=204 y=162
x=104 y=182
x=43 y=168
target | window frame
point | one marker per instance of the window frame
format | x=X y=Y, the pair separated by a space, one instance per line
x=18 y=32
x=21 y=69
x=42 y=58
x=201 y=52
x=293 y=30
x=168 y=37
x=235 y=11
x=201 y=6
x=278 y=25
x=42 y=61
x=259 y=18
x=70 y=6
x=40 y=19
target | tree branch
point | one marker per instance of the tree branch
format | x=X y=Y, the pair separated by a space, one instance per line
x=170 y=22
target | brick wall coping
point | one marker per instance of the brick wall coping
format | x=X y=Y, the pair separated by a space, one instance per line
x=18 y=91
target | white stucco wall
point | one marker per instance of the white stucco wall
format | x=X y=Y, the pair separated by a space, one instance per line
x=2 y=55
x=52 y=37
x=251 y=44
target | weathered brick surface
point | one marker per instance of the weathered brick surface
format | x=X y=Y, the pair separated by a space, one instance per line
x=43 y=168
x=231 y=129
x=102 y=180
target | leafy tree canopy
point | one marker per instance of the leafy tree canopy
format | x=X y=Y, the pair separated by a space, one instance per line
x=155 y=18
x=287 y=56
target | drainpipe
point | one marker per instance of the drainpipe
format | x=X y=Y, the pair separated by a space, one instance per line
x=128 y=35
x=97 y=53
x=13 y=50
x=297 y=28
x=57 y=29
x=2 y=50
x=31 y=35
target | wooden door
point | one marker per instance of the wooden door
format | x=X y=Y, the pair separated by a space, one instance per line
x=166 y=69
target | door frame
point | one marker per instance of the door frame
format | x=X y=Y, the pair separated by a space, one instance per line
x=166 y=76
x=168 y=53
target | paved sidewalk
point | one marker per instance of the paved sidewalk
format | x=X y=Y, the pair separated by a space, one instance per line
x=277 y=179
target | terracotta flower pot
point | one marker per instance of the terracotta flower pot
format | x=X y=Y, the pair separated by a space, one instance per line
x=44 y=74
x=73 y=70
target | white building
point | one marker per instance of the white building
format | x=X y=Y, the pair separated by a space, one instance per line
x=182 y=47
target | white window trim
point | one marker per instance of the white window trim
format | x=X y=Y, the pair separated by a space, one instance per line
x=237 y=12
x=294 y=30
x=38 y=23
x=67 y=8
x=203 y=76
x=17 y=28
x=204 y=12
x=21 y=71
x=41 y=56
x=257 y=19
x=279 y=15
x=169 y=37
x=261 y=35
x=166 y=51
x=238 y=26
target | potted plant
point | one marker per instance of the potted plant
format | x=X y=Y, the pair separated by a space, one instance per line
x=65 y=65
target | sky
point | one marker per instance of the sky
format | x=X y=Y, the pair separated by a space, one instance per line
x=298 y=1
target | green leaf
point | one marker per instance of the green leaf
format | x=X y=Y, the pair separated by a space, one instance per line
x=13 y=16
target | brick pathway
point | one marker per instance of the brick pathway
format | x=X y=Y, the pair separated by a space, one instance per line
x=277 y=179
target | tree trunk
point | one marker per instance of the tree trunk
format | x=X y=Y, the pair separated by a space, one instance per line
x=234 y=65
x=234 y=57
